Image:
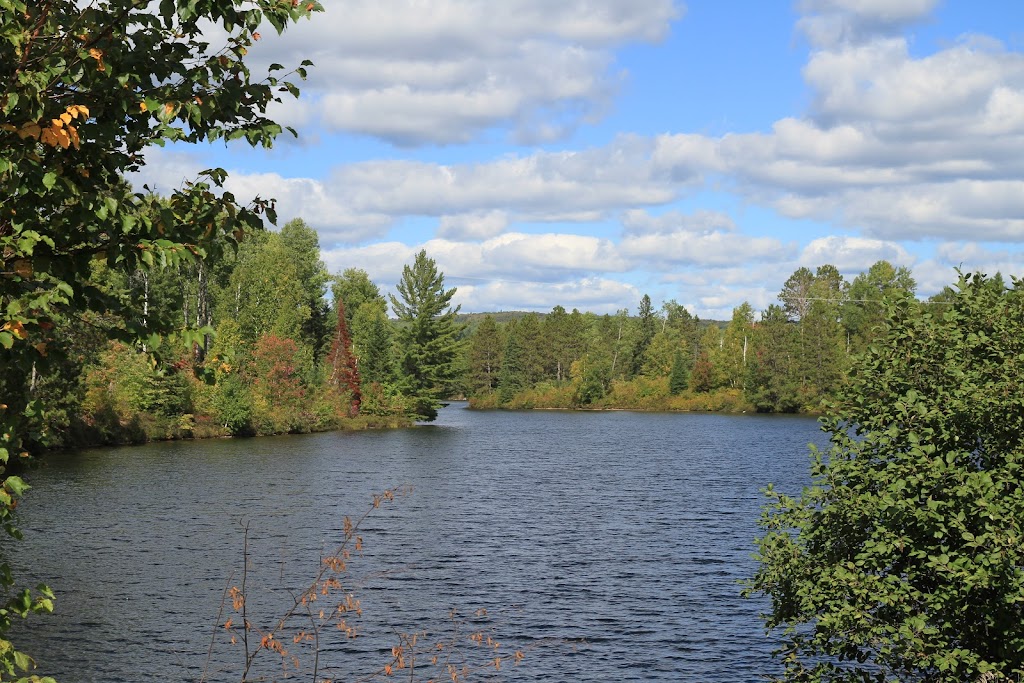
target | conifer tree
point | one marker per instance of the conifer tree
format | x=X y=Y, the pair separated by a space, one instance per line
x=429 y=338
x=485 y=356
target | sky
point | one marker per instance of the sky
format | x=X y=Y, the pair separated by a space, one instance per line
x=584 y=153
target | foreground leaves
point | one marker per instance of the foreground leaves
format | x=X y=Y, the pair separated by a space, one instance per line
x=85 y=90
x=905 y=559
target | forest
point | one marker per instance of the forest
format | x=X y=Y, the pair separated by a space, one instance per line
x=268 y=342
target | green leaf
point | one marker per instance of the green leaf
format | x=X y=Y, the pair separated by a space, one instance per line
x=49 y=180
x=16 y=485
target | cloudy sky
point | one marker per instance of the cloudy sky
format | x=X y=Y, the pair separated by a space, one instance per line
x=585 y=152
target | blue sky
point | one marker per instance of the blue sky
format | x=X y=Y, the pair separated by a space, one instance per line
x=585 y=152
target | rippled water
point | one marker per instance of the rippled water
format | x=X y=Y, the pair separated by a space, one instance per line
x=627 y=530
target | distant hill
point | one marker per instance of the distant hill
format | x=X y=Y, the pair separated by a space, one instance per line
x=471 y=320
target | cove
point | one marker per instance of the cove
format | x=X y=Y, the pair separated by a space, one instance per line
x=627 y=530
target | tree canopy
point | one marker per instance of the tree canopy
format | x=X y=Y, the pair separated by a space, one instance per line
x=85 y=90
x=905 y=559
x=429 y=338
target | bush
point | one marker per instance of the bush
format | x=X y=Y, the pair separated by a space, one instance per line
x=905 y=559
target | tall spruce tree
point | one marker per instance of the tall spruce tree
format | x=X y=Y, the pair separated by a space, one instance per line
x=429 y=338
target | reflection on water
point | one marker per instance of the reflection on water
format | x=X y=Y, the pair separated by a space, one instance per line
x=628 y=530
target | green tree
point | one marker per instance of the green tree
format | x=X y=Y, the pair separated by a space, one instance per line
x=660 y=355
x=904 y=561
x=267 y=295
x=862 y=312
x=533 y=348
x=679 y=374
x=85 y=90
x=429 y=339
x=302 y=245
x=512 y=378
x=707 y=368
x=645 y=330
x=773 y=374
x=355 y=288
x=371 y=343
x=485 y=350
x=736 y=346
x=564 y=338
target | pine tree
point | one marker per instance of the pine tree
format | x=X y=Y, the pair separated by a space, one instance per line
x=428 y=337
x=485 y=356
x=512 y=378
x=679 y=376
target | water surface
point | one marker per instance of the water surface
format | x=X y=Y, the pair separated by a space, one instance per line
x=627 y=530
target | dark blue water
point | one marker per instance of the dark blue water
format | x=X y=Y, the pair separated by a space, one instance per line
x=627 y=531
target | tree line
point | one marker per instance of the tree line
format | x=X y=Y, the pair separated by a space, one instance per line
x=267 y=342
x=270 y=342
x=791 y=358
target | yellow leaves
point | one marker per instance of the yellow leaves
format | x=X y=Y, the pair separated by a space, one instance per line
x=142 y=107
x=58 y=132
x=15 y=328
x=228 y=623
x=97 y=54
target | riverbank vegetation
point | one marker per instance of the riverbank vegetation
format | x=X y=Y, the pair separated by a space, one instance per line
x=903 y=561
x=793 y=357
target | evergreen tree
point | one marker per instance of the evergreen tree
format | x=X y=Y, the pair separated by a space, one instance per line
x=533 y=348
x=773 y=375
x=372 y=343
x=485 y=349
x=646 y=328
x=512 y=377
x=679 y=376
x=428 y=337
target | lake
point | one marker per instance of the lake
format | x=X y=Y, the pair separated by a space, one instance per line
x=626 y=531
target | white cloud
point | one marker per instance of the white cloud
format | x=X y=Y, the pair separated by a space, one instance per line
x=473 y=226
x=595 y=294
x=828 y=22
x=449 y=70
x=853 y=255
x=639 y=222
x=708 y=238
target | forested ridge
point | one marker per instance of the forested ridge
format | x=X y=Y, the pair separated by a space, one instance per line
x=270 y=342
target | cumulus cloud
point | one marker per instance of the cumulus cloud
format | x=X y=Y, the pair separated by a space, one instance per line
x=893 y=145
x=473 y=226
x=595 y=294
x=828 y=22
x=447 y=71
x=640 y=222
x=853 y=255
x=706 y=237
